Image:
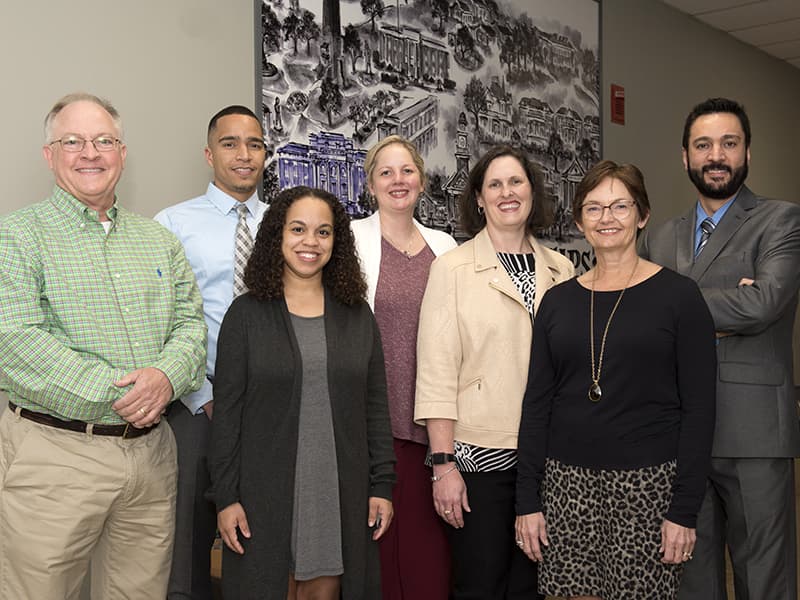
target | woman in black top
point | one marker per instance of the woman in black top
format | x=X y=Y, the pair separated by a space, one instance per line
x=618 y=415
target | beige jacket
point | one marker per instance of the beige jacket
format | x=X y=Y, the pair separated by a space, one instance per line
x=475 y=339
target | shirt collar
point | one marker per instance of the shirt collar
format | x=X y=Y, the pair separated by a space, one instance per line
x=69 y=203
x=225 y=203
x=716 y=217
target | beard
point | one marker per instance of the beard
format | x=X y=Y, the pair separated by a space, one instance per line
x=718 y=191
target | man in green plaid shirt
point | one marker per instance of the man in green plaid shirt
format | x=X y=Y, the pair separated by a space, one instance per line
x=101 y=327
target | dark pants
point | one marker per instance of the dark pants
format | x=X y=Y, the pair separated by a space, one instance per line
x=195 y=519
x=415 y=555
x=749 y=506
x=487 y=564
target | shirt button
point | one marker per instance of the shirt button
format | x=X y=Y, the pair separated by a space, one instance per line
x=495 y=280
x=136 y=344
x=117 y=275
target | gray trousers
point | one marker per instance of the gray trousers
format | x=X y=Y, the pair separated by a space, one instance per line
x=196 y=518
x=750 y=506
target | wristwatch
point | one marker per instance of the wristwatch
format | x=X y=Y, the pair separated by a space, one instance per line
x=442 y=458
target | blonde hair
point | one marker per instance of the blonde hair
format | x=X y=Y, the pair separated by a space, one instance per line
x=372 y=156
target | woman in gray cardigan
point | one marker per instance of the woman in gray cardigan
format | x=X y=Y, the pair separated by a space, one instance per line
x=301 y=457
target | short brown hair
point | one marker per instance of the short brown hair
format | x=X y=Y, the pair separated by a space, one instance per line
x=629 y=174
x=541 y=215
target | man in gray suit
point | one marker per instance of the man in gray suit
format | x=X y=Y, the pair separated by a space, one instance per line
x=744 y=252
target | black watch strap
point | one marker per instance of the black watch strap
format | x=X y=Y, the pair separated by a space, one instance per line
x=442 y=458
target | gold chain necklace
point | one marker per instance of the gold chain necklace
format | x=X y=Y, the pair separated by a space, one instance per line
x=411 y=241
x=595 y=392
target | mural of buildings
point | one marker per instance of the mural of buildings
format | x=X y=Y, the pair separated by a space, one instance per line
x=591 y=130
x=496 y=119
x=456 y=183
x=569 y=125
x=558 y=51
x=416 y=122
x=420 y=58
x=536 y=121
x=340 y=76
x=331 y=162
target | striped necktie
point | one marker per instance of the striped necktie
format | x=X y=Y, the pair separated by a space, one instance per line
x=242 y=250
x=708 y=228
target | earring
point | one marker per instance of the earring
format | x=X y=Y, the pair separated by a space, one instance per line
x=480 y=210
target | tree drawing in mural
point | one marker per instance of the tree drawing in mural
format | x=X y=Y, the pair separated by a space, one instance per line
x=453 y=76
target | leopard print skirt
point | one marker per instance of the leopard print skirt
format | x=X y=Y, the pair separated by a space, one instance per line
x=604 y=531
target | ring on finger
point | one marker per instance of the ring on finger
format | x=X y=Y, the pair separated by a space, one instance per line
x=687 y=556
x=447 y=511
x=520 y=543
x=143 y=411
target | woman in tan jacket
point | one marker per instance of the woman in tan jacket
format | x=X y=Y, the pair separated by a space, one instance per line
x=473 y=349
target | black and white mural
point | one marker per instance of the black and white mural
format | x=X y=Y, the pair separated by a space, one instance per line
x=453 y=76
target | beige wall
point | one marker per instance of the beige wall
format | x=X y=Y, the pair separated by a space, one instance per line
x=668 y=62
x=167 y=66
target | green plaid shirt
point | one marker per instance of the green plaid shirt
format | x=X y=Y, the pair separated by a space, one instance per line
x=79 y=309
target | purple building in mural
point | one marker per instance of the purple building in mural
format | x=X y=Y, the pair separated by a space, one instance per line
x=330 y=161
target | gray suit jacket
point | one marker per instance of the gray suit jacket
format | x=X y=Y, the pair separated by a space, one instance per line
x=757 y=414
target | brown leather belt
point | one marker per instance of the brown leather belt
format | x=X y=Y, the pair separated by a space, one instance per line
x=126 y=431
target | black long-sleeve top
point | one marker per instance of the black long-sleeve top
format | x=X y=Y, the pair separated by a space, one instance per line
x=658 y=381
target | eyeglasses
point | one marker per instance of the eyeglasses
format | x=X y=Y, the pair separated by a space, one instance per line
x=594 y=212
x=73 y=143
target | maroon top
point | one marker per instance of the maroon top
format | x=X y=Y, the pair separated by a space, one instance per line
x=398 y=297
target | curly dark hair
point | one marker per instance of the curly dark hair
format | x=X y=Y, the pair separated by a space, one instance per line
x=341 y=276
x=473 y=221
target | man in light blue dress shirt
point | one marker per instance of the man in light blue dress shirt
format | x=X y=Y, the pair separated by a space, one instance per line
x=206 y=226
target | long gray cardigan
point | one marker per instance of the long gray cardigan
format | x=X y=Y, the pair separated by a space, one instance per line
x=254 y=440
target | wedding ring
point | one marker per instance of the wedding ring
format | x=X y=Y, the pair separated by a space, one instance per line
x=687 y=556
x=143 y=411
x=520 y=543
x=447 y=511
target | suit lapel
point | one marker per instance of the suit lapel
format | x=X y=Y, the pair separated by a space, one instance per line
x=684 y=243
x=737 y=215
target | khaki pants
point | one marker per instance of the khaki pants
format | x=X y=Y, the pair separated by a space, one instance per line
x=68 y=499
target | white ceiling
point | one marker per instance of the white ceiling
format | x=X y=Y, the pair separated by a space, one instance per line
x=770 y=25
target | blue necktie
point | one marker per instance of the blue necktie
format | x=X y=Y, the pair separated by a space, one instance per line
x=708 y=228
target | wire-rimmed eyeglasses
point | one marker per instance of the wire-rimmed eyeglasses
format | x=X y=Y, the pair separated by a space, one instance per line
x=73 y=143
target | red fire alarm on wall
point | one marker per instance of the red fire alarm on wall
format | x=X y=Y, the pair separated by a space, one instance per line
x=617 y=104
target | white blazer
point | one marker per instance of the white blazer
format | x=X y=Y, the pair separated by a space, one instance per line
x=368 y=245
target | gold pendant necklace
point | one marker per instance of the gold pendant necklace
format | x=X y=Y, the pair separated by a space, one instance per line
x=595 y=391
x=398 y=247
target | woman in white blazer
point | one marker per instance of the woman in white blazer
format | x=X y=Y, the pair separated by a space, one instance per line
x=396 y=253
